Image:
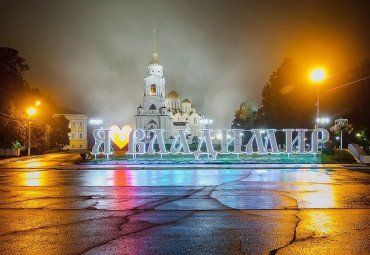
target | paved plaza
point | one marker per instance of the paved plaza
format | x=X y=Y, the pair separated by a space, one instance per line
x=51 y=206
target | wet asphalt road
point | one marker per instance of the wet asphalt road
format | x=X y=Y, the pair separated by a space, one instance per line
x=182 y=211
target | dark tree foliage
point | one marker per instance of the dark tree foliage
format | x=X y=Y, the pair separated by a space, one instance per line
x=12 y=85
x=246 y=115
x=15 y=97
x=59 y=132
x=359 y=115
x=288 y=101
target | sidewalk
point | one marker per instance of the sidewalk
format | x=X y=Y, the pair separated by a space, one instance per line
x=14 y=159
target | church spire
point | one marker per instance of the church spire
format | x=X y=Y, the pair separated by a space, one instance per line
x=155 y=56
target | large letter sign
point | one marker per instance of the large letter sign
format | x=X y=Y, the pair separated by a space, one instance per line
x=135 y=145
x=209 y=146
x=315 y=139
x=261 y=142
x=183 y=143
x=101 y=138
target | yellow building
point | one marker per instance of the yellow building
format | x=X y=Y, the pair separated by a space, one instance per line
x=78 y=126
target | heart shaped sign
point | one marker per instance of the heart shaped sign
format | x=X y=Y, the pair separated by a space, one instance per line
x=120 y=136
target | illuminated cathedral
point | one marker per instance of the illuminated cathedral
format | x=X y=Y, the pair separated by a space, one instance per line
x=161 y=111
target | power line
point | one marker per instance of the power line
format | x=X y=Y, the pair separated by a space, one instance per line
x=346 y=84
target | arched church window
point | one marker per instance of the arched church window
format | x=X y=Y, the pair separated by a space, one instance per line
x=152 y=107
x=153 y=89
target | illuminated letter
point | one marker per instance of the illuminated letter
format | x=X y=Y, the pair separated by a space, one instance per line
x=209 y=146
x=272 y=140
x=158 y=135
x=290 y=142
x=315 y=139
x=258 y=137
x=136 y=135
x=183 y=143
x=225 y=141
x=101 y=137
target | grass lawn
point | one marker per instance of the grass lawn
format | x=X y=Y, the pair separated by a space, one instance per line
x=328 y=156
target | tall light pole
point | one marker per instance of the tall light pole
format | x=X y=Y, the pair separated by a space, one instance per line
x=31 y=112
x=317 y=75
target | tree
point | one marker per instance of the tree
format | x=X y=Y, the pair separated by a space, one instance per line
x=245 y=116
x=12 y=86
x=288 y=101
x=59 y=132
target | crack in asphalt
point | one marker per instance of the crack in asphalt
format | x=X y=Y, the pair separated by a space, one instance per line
x=152 y=225
x=273 y=252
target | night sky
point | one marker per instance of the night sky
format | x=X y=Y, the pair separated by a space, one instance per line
x=91 y=56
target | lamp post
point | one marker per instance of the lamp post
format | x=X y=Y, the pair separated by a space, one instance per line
x=31 y=112
x=317 y=75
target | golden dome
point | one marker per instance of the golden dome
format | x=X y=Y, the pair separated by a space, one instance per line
x=173 y=94
x=186 y=100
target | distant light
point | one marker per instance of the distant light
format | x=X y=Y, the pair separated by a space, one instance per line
x=219 y=136
x=317 y=75
x=337 y=138
x=96 y=121
x=358 y=134
x=323 y=120
x=31 y=111
x=37 y=103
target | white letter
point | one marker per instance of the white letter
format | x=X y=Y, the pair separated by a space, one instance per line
x=183 y=143
x=258 y=137
x=272 y=139
x=315 y=139
x=209 y=146
x=101 y=137
x=158 y=135
x=225 y=141
x=290 y=143
x=136 y=135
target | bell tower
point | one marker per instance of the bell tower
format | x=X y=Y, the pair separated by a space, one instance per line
x=154 y=93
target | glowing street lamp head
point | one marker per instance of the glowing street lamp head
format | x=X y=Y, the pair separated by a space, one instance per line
x=37 y=103
x=317 y=75
x=31 y=111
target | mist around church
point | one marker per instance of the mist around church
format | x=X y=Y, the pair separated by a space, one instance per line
x=184 y=127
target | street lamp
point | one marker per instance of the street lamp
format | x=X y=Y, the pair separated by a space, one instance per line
x=31 y=112
x=317 y=75
x=206 y=122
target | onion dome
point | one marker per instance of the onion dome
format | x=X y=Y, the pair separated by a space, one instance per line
x=186 y=100
x=173 y=94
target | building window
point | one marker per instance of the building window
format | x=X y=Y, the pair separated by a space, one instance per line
x=153 y=89
x=152 y=107
x=80 y=123
x=80 y=146
x=73 y=123
x=195 y=121
x=73 y=136
x=80 y=135
x=73 y=145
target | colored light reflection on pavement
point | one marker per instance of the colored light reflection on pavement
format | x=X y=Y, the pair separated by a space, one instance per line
x=168 y=211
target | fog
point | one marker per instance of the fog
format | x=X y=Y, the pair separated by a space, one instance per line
x=91 y=56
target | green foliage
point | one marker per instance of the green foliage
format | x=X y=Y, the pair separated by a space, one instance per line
x=15 y=97
x=245 y=116
x=59 y=132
